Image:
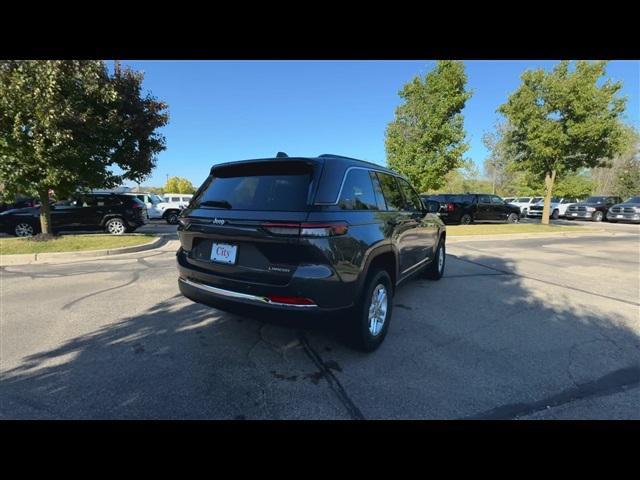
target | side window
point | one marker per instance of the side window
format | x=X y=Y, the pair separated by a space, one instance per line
x=357 y=192
x=484 y=199
x=497 y=200
x=377 y=190
x=391 y=191
x=412 y=199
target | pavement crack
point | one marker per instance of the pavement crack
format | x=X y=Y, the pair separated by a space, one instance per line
x=136 y=276
x=334 y=384
x=611 y=383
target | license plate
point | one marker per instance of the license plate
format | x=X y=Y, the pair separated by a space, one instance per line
x=574 y=214
x=619 y=216
x=223 y=253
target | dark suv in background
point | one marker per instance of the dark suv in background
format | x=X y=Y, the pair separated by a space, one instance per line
x=322 y=234
x=472 y=207
x=114 y=213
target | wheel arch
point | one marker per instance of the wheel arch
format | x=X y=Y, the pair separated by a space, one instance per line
x=385 y=257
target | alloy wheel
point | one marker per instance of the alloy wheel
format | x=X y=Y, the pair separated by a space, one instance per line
x=378 y=309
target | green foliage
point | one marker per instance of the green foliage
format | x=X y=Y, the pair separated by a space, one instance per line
x=425 y=141
x=563 y=120
x=574 y=186
x=67 y=125
x=179 y=185
x=621 y=175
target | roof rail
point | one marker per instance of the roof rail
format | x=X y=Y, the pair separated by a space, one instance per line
x=324 y=155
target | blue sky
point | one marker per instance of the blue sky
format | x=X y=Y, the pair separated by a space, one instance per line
x=234 y=110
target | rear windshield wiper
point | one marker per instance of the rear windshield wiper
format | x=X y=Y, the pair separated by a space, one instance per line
x=217 y=203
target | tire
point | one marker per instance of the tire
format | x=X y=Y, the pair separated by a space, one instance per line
x=24 y=229
x=523 y=214
x=116 y=226
x=466 y=219
x=369 y=323
x=171 y=217
x=435 y=269
x=555 y=214
x=597 y=216
x=512 y=218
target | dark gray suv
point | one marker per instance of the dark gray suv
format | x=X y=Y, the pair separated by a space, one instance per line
x=323 y=234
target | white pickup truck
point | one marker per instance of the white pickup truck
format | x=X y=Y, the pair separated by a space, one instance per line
x=158 y=208
x=524 y=203
x=557 y=209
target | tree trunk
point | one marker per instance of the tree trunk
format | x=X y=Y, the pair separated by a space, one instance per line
x=45 y=211
x=549 y=178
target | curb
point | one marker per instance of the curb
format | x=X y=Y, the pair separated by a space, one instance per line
x=525 y=236
x=28 y=258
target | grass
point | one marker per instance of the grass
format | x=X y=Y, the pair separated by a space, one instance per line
x=71 y=243
x=497 y=229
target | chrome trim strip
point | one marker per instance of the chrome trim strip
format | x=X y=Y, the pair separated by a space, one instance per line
x=415 y=265
x=241 y=296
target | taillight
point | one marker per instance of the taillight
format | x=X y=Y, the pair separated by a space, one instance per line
x=290 y=300
x=136 y=206
x=450 y=207
x=330 y=229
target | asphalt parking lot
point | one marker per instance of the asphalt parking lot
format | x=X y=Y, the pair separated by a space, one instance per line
x=537 y=328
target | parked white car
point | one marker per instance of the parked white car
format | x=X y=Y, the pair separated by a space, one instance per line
x=557 y=209
x=524 y=203
x=151 y=201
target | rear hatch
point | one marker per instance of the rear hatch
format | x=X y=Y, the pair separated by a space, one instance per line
x=245 y=221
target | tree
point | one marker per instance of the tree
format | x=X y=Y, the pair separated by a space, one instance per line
x=574 y=186
x=563 y=120
x=179 y=185
x=620 y=176
x=496 y=165
x=69 y=125
x=425 y=141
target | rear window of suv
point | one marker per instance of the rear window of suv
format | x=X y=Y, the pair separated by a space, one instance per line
x=268 y=186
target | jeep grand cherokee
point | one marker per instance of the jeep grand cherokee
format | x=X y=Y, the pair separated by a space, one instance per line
x=321 y=234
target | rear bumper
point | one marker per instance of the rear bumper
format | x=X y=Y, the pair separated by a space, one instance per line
x=326 y=289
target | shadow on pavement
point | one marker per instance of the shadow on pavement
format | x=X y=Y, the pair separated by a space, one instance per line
x=477 y=344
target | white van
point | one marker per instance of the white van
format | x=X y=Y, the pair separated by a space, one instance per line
x=181 y=198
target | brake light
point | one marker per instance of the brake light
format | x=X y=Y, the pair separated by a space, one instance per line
x=330 y=229
x=450 y=207
x=291 y=300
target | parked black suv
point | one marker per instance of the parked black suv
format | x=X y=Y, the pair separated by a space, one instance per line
x=593 y=208
x=321 y=234
x=117 y=214
x=471 y=207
